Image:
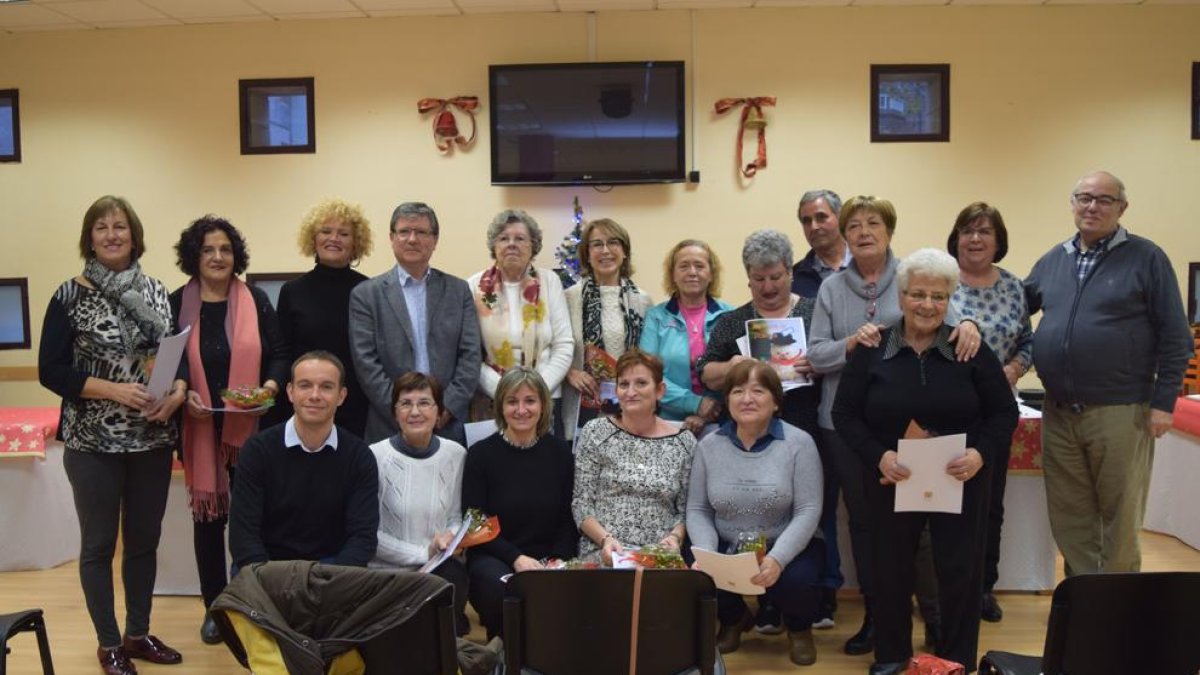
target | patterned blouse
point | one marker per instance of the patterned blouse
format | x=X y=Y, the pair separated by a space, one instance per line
x=636 y=487
x=1002 y=316
x=81 y=339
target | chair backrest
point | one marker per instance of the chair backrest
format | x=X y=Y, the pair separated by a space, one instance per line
x=423 y=645
x=577 y=622
x=1117 y=624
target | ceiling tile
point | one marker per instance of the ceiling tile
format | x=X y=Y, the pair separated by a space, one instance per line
x=604 y=5
x=205 y=9
x=345 y=14
x=420 y=9
x=96 y=11
x=303 y=6
x=31 y=15
x=138 y=23
x=485 y=6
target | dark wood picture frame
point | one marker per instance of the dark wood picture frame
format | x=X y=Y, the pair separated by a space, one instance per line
x=247 y=89
x=271 y=283
x=888 y=119
x=1196 y=100
x=11 y=97
x=22 y=284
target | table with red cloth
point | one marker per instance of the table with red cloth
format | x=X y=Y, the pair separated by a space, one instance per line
x=37 y=512
x=1171 y=505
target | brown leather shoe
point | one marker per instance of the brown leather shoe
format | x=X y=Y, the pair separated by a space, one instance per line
x=803 y=651
x=150 y=648
x=115 y=662
x=730 y=637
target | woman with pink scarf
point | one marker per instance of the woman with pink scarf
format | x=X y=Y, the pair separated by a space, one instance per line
x=235 y=343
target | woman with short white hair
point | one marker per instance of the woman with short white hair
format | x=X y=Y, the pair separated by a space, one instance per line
x=913 y=376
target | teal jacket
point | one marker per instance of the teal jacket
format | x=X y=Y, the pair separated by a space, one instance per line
x=665 y=335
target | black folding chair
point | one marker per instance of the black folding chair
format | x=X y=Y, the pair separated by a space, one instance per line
x=1116 y=624
x=28 y=620
x=579 y=622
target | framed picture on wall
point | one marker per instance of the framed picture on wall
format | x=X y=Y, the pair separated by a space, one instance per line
x=271 y=283
x=910 y=103
x=10 y=126
x=1196 y=100
x=277 y=116
x=14 y=314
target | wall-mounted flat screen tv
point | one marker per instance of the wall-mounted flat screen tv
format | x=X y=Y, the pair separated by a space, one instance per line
x=587 y=123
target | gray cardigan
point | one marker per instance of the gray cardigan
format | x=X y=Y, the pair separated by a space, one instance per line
x=1119 y=337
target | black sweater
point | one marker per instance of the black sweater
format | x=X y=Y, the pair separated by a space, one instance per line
x=530 y=491
x=314 y=313
x=289 y=504
x=878 y=397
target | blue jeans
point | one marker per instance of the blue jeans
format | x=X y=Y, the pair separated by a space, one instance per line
x=797 y=592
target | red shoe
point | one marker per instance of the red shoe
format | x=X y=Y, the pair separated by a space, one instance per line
x=150 y=648
x=115 y=662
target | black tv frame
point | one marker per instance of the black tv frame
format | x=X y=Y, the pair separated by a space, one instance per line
x=677 y=175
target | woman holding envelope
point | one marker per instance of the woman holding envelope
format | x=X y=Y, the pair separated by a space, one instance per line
x=760 y=476
x=913 y=377
x=420 y=488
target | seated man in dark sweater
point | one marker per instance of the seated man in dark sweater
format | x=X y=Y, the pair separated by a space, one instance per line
x=306 y=489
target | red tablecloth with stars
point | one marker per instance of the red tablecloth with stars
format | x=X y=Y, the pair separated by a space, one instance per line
x=1026 y=455
x=24 y=431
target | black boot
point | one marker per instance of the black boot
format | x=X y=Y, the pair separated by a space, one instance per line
x=862 y=642
x=209 y=633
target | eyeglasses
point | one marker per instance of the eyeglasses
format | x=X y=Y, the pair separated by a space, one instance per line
x=1086 y=199
x=872 y=290
x=920 y=297
x=610 y=244
x=981 y=232
x=407 y=232
x=423 y=405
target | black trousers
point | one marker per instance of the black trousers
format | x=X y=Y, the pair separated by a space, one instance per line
x=455 y=572
x=958 y=543
x=125 y=491
x=851 y=478
x=208 y=542
x=486 y=590
x=995 y=520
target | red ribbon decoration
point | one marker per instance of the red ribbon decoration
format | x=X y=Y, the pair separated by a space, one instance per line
x=749 y=104
x=445 y=131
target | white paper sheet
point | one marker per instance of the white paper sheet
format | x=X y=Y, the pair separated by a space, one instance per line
x=166 y=363
x=930 y=488
x=444 y=555
x=730 y=572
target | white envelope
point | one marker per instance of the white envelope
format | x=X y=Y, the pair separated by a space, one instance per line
x=930 y=488
x=166 y=363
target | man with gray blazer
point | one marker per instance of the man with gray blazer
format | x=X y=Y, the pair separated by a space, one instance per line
x=414 y=317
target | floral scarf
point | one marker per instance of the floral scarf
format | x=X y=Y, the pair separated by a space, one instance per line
x=491 y=303
x=141 y=327
x=593 y=327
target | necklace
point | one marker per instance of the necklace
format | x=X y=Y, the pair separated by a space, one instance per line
x=523 y=446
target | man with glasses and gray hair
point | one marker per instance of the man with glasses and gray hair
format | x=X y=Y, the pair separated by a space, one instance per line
x=414 y=317
x=818 y=214
x=1111 y=350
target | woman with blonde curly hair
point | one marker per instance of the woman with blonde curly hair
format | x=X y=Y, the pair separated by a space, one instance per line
x=314 y=309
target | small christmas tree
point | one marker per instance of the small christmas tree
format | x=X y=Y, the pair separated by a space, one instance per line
x=567 y=253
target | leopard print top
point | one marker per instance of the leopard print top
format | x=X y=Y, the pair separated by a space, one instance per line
x=100 y=425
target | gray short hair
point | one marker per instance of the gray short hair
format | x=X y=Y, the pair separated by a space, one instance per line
x=928 y=262
x=1120 y=183
x=831 y=198
x=767 y=247
x=412 y=210
x=508 y=217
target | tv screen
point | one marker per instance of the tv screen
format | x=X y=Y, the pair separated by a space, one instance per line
x=587 y=123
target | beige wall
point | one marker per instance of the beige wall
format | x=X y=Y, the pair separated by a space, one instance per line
x=1040 y=95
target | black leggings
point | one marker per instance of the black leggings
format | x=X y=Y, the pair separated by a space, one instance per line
x=126 y=491
x=208 y=541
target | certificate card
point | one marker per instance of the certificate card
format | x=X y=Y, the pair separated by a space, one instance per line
x=730 y=572
x=445 y=554
x=166 y=363
x=930 y=488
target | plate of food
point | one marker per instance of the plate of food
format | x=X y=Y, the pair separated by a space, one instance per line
x=247 y=399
